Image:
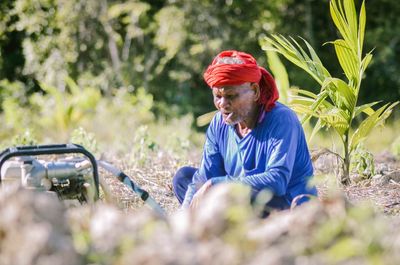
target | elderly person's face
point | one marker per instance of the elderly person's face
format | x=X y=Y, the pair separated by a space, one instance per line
x=236 y=103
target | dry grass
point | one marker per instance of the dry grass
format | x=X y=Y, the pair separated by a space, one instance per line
x=155 y=176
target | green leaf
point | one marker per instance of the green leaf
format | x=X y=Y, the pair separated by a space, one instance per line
x=347 y=59
x=361 y=27
x=351 y=17
x=283 y=47
x=366 y=108
x=298 y=57
x=337 y=119
x=318 y=64
x=280 y=75
x=74 y=88
x=303 y=92
x=365 y=62
x=205 y=119
x=311 y=105
x=388 y=111
x=340 y=109
x=369 y=123
x=299 y=100
x=316 y=105
x=317 y=127
x=54 y=92
x=336 y=115
x=343 y=91
x=339 y=20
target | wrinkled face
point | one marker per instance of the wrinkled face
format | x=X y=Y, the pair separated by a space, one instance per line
x=236 y=103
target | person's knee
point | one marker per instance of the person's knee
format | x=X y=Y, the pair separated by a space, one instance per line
x=179 y=175
x=183 y=176
x=180 y=182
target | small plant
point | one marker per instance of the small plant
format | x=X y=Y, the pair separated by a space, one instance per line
x=87 y=140
x=26 y=138
x=63 y=110
x=335 y=106
x=362 y=162
x=142 y=146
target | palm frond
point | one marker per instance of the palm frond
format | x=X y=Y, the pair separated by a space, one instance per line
x=343 y=93
x=345 y=19
x=317 y=127
x=366 y=108
x=347 y=59
x=365 y=62
x=369 y=123
x=361 y=27
x=292 y=51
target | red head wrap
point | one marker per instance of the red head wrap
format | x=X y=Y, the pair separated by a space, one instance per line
x=231 y=68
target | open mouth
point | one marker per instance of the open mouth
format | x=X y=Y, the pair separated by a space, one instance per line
x=227 y=115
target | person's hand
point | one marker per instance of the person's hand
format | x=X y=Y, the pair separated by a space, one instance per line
x=199 y=195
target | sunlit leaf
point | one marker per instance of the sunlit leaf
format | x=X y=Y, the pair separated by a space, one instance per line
x=365 y=62
x=283 y=46
x=205 y=119
x=72 y=86
x=361 y=28
x=343 y=91
x=317 y=127
x=369 y=123
x=366 y=108
x=318 y=64
x=339 y=20
x=351 y=17
x=347 y=59
x=281 y=77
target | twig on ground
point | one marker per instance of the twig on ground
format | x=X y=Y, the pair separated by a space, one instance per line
x=394 y=182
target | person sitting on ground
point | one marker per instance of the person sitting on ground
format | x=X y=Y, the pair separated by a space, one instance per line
x=253 y=139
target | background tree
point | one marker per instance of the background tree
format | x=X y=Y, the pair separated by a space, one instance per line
x=164 y=46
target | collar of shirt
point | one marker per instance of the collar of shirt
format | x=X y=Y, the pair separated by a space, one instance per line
x=261 y=115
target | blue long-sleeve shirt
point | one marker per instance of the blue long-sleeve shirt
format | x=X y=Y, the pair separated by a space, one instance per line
x=274 y=156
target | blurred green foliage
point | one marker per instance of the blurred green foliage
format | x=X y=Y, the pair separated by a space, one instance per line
x=329 y=231
x=86 y=139
x=164 y=46
x=26 y=138
x=154 y=53
x=395 y=147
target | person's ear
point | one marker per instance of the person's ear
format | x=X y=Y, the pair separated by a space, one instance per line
x=256 y=89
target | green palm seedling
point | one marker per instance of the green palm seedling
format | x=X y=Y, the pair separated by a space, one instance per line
x=335 y=106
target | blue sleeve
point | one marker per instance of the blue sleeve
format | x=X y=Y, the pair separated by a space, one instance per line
x=282 y=147
x=212 y=164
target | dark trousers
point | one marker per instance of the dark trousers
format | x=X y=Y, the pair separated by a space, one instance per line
x=181 y=181
x=183 y=178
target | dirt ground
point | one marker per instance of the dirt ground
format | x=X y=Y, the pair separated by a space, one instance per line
x=382 y=190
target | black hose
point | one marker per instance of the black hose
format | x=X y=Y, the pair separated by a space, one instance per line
x=144 y=195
